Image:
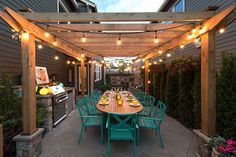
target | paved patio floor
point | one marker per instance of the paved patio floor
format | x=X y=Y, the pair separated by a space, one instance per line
x=62 y=141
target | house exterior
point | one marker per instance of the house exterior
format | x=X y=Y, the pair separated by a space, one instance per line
x=225 y=43
x=53 y=60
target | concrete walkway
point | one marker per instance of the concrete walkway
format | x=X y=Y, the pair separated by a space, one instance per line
x=62 y=141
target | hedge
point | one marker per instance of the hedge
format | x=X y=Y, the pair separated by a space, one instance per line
x=226 y=98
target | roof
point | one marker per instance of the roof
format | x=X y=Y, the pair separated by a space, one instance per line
x=166 y=5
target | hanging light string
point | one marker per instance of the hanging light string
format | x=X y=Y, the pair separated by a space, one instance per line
x=118 y=33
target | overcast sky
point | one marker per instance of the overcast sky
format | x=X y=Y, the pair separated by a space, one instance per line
x=128 y=5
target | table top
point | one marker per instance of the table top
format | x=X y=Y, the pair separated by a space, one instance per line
x=125 y=108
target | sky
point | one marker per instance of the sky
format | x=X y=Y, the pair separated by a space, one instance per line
x=128 y=5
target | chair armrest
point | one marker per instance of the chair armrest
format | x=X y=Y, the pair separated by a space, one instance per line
x=135 y=123
x=107 y=123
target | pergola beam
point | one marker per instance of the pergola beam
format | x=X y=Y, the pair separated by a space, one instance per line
x=110 y=17
x=206 y=26
x=31 y=28
x=117 y=27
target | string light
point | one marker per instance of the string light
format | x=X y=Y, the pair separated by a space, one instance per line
x=68 y=22
x=182 y=46
x=154 y=62
x=160 y=52
x=196 y=40
x=25 y=36
x=56 y=57
x=142 y=67
x=149 y=82
x=194 y=31
x=119 y=40
x=40 y=46
x=103 y=61
x=54 y=42
x=94 y=62
x=150 y=63
x=168 y=55
x=190 y=36
x=13 y=30
x=89 y=61
x=82 y=55
x=148 y=70
x=202 y=30
x=156 y=40
x=160 y=60
x=68 y=62
x=73 y=62
x=222 y=30
x=83 y=38
x=46 y=34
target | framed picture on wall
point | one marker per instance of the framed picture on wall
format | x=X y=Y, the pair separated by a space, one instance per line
x=41 y=75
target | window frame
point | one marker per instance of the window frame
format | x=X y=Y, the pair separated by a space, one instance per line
x=98 y=73
x=174 y=6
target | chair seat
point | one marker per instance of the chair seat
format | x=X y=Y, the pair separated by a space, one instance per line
x=94 y=121
x=147 y=123
x=120 y=134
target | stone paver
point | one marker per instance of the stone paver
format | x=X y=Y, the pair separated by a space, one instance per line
x=62 y=141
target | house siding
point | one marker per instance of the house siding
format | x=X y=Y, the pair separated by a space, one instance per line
x=10 y=51
x=225 y=43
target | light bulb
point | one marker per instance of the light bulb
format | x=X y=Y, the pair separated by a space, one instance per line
x=150 y=63
x=68 y=22
x=54 y=43
x=25 y=36
x=56 y=57
x=118 y=42
x=190 y=36
x=73 y=62
x=160 y=52
x=196 y=40
x=149 y=82
x=40 y=46
x=194 y=31
x=160 y=60
x=142 y=67
x=154 y=62
x=182 y=46
x=156 y=40
x=46 y=34
x=83 y=39
x=168 y=55
x=222 y=30
x=68 y=62
x=82 y=55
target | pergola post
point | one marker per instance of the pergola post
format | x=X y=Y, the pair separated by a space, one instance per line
x=29 y=141
x=146 y=73
x=208 y=83
x=82 y=77
x=28 y=83
x=92 y=78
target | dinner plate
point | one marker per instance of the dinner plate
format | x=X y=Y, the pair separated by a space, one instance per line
x=134 y=105
x=103 y=104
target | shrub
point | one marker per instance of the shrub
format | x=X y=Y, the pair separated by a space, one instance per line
x=172 y=90
x=226 y=98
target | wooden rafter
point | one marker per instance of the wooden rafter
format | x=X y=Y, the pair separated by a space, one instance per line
x=206 y=26
x=116 y=27
x=99 y=17
x=30 y=27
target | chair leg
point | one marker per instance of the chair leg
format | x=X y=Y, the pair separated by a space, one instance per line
x=134 y=148
x=161 y=141
x=138 y=136
x=102 y=133
x=109 y=148
x=81 y=133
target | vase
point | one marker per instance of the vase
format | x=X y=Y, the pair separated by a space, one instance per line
x=214 y=153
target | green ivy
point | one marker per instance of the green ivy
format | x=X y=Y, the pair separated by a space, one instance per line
x=226 y=98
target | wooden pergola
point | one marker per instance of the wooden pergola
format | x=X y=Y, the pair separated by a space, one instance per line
x=66 y=29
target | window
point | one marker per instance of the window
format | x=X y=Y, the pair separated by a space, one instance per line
x=179 y=6
x=98 y=72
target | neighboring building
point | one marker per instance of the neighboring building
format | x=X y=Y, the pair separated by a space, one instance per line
x=225 y=43
x=10 y=53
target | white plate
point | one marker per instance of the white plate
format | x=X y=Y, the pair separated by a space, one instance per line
x=134 y=105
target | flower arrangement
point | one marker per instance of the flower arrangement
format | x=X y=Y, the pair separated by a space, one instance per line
x=228 y=149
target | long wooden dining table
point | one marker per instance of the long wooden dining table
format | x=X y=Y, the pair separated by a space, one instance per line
x=111 y=105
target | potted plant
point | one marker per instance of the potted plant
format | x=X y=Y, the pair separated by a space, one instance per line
x=214 y=144
x=228 y=149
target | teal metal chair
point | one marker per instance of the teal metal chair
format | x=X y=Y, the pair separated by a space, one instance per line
x=148 y=105
x=88 y=120
x=154 y=121
x=121 y=127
